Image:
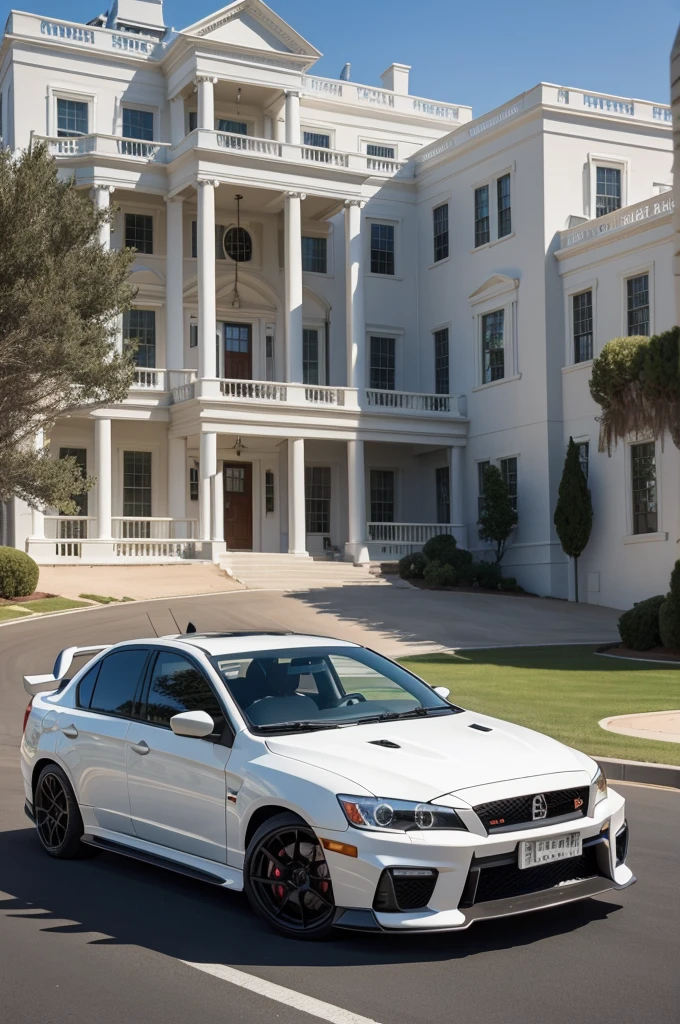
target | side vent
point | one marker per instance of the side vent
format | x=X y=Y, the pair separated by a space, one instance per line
x=480 y=728
x=385 y=743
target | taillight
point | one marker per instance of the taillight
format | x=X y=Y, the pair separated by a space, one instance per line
x=26 y=714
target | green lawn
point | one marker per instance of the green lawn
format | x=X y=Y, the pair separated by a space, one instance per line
x=53 y=604
x=8 y=612
x=561 y=691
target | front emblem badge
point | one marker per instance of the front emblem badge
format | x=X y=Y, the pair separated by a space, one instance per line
x=539 y=807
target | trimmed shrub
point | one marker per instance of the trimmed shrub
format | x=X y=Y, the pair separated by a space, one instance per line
x=488 y=574
x=442 y=548
x=412 y=566
x=438 y=575
x=669 y=612
x=508 y=583
x=639 y=627
x=18 y=573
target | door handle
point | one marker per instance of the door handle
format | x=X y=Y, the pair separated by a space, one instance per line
x=141 y=748
x=70 y=731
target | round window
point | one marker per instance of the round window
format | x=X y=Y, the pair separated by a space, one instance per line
x=238 y=245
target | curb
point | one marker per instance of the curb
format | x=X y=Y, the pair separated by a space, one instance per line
x=646 y=772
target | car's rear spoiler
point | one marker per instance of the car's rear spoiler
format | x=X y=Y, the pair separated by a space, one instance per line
x=42 y=684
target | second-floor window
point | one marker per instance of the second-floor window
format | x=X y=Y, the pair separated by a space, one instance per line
x=137 y=124
x=441 y=361
x=382 y=363
x=139 y=232
x=482 y=233
x=224 y=124
x=72 y=118
x=582 y=313
x=318 y=139
x=509 y=474
x=504 y=208
x=314 y=254
x=643 y=479
x=440 y=229
x=382 y=248
x=637 y=295
x=493 y=352
x=608 y=190
x=311 y=363
x=386 y=152
x=139 y=331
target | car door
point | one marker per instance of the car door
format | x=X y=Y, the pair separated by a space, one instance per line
x=177 y=784
x=92 y=737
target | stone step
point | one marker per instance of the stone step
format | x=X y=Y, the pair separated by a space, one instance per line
x=260 y=570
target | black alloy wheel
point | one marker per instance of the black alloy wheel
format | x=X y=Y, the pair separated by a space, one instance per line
x=287 y=878
x=57 y=816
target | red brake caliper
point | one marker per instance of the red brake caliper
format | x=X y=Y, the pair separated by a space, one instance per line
x=279 y=889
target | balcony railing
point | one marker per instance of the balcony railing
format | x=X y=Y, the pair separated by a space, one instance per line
x=153 y=528
x=392 y=540
x=68 y=532
x=105 y=145
x=414 y=400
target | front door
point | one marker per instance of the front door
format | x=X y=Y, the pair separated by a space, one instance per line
x=238 y=505
x=238 y=356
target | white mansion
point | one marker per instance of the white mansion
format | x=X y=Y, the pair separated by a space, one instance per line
x=350 y=300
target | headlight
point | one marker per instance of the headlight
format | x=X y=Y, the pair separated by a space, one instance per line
x=397 y=815
x=600 y=781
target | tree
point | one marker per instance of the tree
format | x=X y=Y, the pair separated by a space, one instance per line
x=636 y=382
x=669 y=612
x=61 y=293
x=497 y=518
x=574 y=510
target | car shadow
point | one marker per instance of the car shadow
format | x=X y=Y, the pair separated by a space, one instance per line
x=128 y=903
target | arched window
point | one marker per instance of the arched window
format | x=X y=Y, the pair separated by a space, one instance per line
x=238 y=245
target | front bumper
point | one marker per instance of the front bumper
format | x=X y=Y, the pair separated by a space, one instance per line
x=457 y=857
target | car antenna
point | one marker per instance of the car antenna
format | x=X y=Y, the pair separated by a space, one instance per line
x=151 y=624
x=191 y=628
x=174 y=620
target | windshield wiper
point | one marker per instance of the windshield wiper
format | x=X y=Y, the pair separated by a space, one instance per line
x=391 y=716
x=295 y=726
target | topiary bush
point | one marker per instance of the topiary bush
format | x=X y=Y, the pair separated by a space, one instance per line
x=441 y=548
x=639 y=627
x=412 y=566
x=439 y=575
x=488 y=574
x=18 y=573
x=669 y=612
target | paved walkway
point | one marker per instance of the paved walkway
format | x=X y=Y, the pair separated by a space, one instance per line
x=139 y=582
x=652 y=725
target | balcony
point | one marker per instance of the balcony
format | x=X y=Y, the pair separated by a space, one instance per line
x=393 y=540
x=105 y=146
x=135 y=539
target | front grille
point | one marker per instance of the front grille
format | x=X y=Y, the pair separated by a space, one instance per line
x=505 y=881
x=517 y=810
x=398 y=890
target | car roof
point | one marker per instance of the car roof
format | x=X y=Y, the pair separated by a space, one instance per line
x=238 y=642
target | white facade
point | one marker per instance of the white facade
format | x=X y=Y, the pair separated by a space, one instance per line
x=351 y=394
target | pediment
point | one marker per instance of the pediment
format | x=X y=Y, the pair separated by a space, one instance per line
x=497 y=284
x=252 y=26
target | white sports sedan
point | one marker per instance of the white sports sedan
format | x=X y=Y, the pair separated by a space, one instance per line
x=334 y=786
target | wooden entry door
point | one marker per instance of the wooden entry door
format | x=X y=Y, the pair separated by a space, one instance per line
x=238 y=505
x=238 y=354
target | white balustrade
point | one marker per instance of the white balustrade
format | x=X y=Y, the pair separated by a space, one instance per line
x=183 y=393
x=324 y=395
x=68 y=532
x=258 y=390
x=248 y=144
x=321 y=155
x=144 y=528
x=106 y=145
x=151 y=550
x=408 y=400
x=149 y=379
x=415 y=534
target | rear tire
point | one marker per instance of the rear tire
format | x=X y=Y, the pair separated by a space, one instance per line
x=57 y=816
x=287 y=881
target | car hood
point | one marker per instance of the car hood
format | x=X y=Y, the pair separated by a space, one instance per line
x=435 y=756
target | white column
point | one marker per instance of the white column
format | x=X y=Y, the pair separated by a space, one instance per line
x=177 y=481
x=102 y=198
x=176 y=119
x=297 y=540
x=37 y=515
x=206 y=279
x=356 y=548
x=293 y=117
x=218 y=503
x=206 y=102
x=207 y=470
x=174 y=286
x=102 y=463
x=293 y=275
x=456 y=503
x=354 y=290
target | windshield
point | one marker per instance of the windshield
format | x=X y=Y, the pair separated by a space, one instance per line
x=321 y=688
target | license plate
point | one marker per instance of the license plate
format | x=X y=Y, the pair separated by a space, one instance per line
x=543 y=851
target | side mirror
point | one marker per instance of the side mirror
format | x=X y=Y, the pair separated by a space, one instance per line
x=192 y=723
x=442 y=691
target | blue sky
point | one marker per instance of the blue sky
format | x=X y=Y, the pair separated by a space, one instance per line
x=480 y=54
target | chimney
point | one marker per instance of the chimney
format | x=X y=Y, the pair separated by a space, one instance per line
x=396 y=78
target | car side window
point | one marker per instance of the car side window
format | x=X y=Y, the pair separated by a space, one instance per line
x=116 y=685
x=176 y=686
x=86 y=686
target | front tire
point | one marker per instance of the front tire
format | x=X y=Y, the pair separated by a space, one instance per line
x=57 y=816
x=287 y=880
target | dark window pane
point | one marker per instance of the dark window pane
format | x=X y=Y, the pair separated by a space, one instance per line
x=509 y=474
x=86 y=687
x=386 y=152
x=638 y=304
x=310 y=356
x=608 y=190
x=238 y=245
x=382 y=495
x=643 y=458
x=317 y=139
x=177 y=686
x=583 y=449
x=193 y=120
x=71 y=118
x=117 y=681
x=504 y=212
x=482 y=233
x=137 y=124
x=583 y=326
x=237 y=338
x=443 y=495
x=314 y=254
x=139 y=332
x=318 y=499
x=234 y=127
x=137 y=484
x=493 y=354
x=440 y=224
x=269 y=491
x=382 y=248
x=139 y=232
x=441 y=361
x=80 y=455
x=193 y=484
x=383 y=362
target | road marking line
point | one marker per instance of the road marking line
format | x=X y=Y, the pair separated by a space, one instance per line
x=287 y=996
x=643 y=785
